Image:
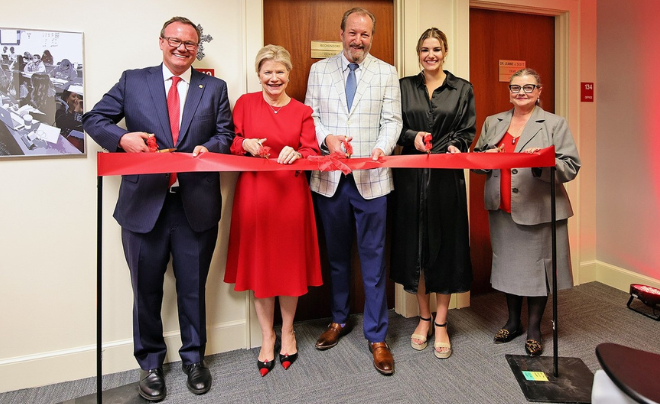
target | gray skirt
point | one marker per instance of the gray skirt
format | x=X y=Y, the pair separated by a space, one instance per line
x=522 y=256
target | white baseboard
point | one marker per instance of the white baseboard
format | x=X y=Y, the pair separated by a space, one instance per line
x=79 y=363
x=612 y=275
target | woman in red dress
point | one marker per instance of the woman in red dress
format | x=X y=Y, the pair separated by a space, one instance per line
x=273 y=248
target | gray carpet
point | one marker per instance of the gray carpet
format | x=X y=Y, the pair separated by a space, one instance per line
x=477 y=372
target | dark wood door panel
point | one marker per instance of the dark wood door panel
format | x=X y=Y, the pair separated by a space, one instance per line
x=494 y=36
x=293 y=24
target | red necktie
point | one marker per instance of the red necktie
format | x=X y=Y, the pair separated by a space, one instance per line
x=173 y=111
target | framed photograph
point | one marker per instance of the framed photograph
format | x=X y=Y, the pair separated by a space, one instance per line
x=41 y=91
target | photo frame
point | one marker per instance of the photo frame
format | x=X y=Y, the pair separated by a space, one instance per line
x=41 y=93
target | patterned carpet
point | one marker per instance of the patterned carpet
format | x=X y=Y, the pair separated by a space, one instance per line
x=477 y=372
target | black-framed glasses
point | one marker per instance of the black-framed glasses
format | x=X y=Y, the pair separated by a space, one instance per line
x=528 y=88
x=176 y=42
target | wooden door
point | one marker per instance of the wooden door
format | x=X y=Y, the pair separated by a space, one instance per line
x=293 y=24
x=494 y=36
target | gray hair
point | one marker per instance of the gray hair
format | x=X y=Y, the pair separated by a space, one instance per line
x=360 y=11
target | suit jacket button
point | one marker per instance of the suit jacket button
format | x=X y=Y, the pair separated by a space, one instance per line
x=514 y=171
x=514 y=190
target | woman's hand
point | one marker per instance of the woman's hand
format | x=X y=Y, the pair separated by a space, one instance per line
x=288 y=155
x=252 y=145
x=419 y=141
x=495 y=150
x=531 y=150
x=453 y=150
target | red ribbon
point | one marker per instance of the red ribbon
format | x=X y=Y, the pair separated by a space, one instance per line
x=159 y=163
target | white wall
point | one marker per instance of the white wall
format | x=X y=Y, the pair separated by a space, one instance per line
x=628 y=94
x=48 y=208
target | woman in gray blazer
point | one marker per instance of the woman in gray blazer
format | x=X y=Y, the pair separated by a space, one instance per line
x=518 y=201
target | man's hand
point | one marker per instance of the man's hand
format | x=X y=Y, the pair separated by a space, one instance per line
x=376 y=154
x=333 y=142
x=199 y=150
x=134 y=142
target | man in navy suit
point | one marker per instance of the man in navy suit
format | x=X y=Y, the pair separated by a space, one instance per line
x=163 y=214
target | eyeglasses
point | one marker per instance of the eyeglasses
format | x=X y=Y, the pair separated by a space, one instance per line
x=528 y=88
x=176 y=42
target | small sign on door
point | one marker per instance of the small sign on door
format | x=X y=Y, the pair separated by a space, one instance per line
x=325 y=49
x=508 y=67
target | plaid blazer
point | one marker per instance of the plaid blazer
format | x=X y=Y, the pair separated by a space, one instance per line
x=374 y=120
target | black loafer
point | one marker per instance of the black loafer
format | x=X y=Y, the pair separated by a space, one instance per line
x=199 y=377
x=152 y=384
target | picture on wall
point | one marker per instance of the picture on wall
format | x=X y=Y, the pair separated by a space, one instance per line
x=41 y=87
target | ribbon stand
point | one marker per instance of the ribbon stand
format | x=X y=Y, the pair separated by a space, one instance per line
x=539 y=377
x=572 y=385
x=124 y=394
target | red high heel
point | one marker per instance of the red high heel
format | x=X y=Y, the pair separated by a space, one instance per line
x=287 y=360
x=265 y=366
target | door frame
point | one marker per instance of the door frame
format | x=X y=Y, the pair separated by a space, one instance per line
x=453 y=17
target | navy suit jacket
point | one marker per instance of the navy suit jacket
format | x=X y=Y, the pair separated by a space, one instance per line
x=139 y=98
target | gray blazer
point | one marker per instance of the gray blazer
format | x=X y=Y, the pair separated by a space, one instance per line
x=530 y=192
x=374 y=120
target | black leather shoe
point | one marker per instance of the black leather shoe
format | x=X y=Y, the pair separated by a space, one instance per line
x=152 y=384
x=199 y=377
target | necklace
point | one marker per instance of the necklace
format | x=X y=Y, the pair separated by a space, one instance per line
x=275 y=111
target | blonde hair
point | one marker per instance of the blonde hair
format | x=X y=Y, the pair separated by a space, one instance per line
x=275 y=53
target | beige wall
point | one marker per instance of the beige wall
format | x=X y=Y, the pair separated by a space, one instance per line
x=48 y=206
x=48 y=214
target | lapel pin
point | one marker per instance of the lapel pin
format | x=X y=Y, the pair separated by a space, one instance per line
x=201 y=86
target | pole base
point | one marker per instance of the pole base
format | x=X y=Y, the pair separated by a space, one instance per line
x=127 y=394
x=535 y=375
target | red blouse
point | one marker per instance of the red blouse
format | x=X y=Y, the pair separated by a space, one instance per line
x=507 y=145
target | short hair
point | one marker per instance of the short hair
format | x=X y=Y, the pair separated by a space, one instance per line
x=182 y=20
x=275 y=53
x=432 y=33
x=360 y=11
x=527 y=72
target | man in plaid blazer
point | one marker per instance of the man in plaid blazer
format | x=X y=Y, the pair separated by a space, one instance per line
x=372 y=124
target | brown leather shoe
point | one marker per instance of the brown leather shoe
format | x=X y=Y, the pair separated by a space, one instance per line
x=383 y=359
x=330 y=337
